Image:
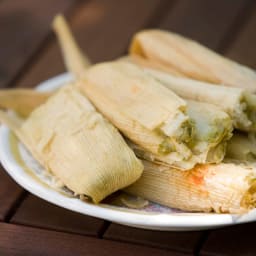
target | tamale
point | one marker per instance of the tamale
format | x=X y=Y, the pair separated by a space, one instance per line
x=144 y=110
x=220 y=188
x=237 y=102
x=76 y=144
x=191 y=59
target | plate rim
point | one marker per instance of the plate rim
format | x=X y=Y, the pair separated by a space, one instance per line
x=154 y=221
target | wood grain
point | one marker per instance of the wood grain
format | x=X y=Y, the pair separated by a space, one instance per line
x=236 y=241
x=20 y=240
x=10 y=192
x=39 y=213
x=177 y=241
x=206 y=21
x=24 y=26
x=243 y=48
x=103 y=29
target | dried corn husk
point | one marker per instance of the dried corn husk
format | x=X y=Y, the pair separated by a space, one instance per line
x=23 y=101
x=192 y=59
x=221 y=188
x=238 y=103
x=75 y=61
x=147 y=63
x=74 y=142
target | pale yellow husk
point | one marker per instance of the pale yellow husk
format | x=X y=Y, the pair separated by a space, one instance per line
x=221 y=188
x=22 y=101
x=144 y=62
x=75 y=143
x=192 y=59
x=75 y=60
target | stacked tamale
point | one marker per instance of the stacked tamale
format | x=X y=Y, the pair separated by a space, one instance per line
x=173 y=123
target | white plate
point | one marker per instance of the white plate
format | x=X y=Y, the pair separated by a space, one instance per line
x=26 y=172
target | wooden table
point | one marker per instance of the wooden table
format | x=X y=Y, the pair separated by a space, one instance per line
x=29 y=54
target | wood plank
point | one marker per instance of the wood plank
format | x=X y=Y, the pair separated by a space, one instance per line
x=39 y=213
x=206 y=21
x=236 y=241
x=20 y=240
x=243 y=48
x=24 y=26
x=10 y=192
x=102 y=28
x=177 y=241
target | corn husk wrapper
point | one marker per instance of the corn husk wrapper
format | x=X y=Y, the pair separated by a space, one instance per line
x=142 y=109
x=238 y=103
x=76 y=144
x=75 y=61
x=22 y=101
x=221 y=188
x=150 y=64
x=191 y=59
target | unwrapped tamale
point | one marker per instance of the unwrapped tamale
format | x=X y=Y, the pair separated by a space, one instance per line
x=22 y=101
